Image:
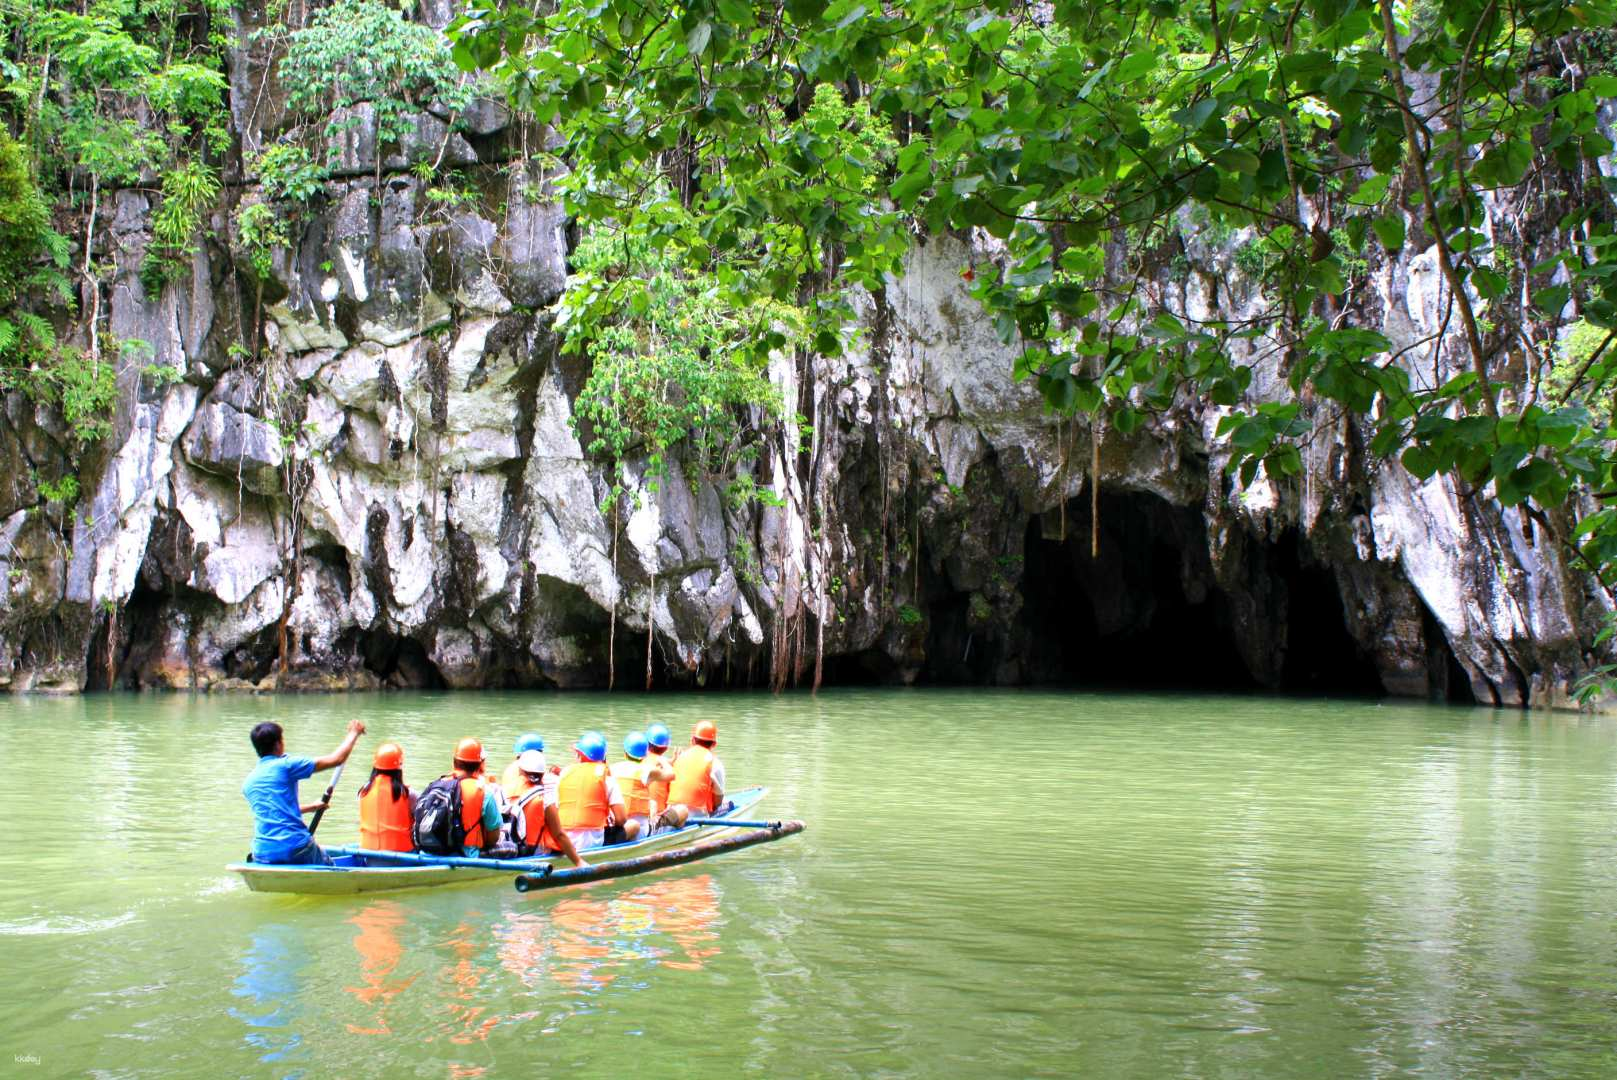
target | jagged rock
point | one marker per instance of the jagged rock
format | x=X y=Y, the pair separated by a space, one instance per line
x=423 y=138
x=232 y=443
x=301 y=331
x=533 y=242
x=485 y=116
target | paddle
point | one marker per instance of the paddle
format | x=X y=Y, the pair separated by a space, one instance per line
x=336 y=775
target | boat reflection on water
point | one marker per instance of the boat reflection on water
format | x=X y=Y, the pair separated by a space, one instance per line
x=468 y=997
x=379 y=953
x=684 y=910
x=522 y=944
x=268 y=984
x=580 y=945
x=584 y=943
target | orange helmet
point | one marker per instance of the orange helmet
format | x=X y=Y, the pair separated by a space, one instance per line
x=704 y=731
x=468 y=750
x=390 y=755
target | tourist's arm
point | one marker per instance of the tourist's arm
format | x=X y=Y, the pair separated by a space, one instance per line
x=553 y=823
x=618 y=813
x=660 y=770
x=492 y=818
x=356 y=728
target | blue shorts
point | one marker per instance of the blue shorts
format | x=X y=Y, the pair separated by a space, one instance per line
x=310 y=854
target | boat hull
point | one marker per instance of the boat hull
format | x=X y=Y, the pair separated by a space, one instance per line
x=356 y=872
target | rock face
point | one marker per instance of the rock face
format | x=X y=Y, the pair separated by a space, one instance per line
x=394 y=494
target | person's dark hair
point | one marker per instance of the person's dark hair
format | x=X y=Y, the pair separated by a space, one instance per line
x=396 y=775
x=708 y=743
x=265 y=737
x=470 y=768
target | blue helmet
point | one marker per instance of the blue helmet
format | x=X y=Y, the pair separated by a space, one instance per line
x=530 y=741
x=592 y=744
x=634 y=745
x=657 y=735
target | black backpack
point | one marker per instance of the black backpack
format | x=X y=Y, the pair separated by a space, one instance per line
x=438 y=828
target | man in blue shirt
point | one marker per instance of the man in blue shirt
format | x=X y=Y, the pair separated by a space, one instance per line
x=279 y=834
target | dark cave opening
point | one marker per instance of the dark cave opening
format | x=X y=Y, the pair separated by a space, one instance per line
x=1147 y=612
x=867 y=667
x=1321 y=655
x=138 y=631
x=1445 y=676
x=1141 y=614
x=399 y=661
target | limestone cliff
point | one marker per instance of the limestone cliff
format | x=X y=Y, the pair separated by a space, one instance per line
x=394 y=494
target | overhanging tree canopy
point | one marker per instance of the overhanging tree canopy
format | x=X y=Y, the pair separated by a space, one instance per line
x=1082 y=134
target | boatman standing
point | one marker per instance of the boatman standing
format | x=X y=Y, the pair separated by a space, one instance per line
x=698 y=773
x=279 y=835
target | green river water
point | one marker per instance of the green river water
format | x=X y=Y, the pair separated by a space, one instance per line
x=993 y=884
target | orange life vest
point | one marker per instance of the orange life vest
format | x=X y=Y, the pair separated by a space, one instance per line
x=582 y=795
x=631 y=777
x=693 y=779
x=471 y=811
x=535 y=835
x=658 y=788
x=384 y=822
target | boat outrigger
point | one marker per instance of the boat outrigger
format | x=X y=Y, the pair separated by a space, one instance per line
x=357 y=870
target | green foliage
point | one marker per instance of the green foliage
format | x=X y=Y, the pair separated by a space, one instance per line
x=62 y=490
x=743 y=491
x=909 y=615
x=1582 y=345
x=1082 y=137
x=102 y=94
x=83 y=387
x=287 y=172
x=289 y=179
x=131 y=89
x=670 y=362
x=163 y=375
x=364 y=51
x=261 y=230
x=32 y=254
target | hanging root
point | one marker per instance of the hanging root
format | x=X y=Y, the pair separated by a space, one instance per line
x=612 y=625
x=651 y=614
x=1094 y=489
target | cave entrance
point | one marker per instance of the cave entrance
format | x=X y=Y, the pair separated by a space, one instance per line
x=1321 y=657
x=1141 y=614
x=1147 y=612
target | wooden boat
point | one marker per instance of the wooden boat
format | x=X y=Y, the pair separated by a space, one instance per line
x=359 y=871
